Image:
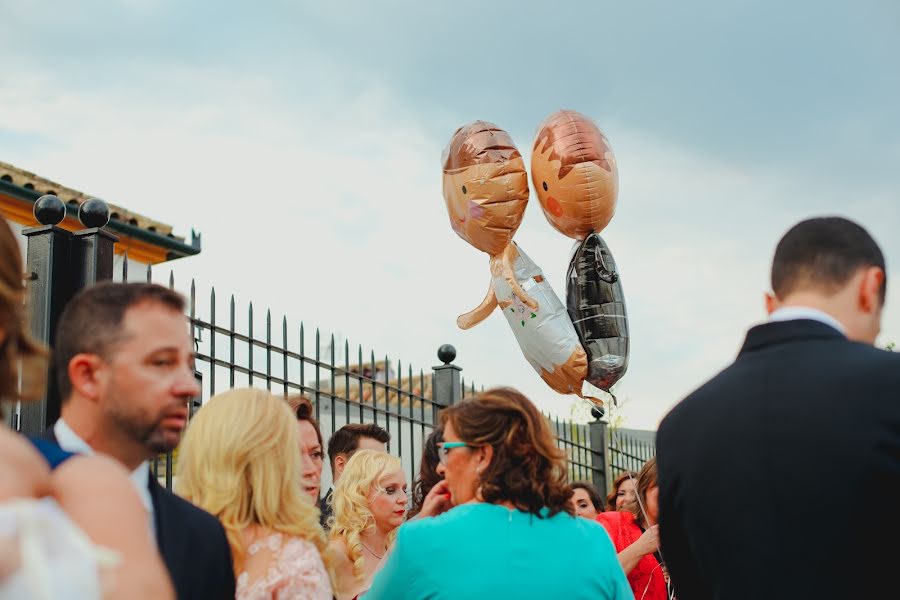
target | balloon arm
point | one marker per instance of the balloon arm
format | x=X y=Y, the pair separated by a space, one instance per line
x=606 y=274
x=480 y=313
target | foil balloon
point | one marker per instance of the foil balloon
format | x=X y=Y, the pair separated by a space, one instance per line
x=485 y=186
x=486 y=191
x=574 y=173
x=596 y=305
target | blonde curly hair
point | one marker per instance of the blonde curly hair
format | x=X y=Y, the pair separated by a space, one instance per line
x=239 y=461
x=365 y=470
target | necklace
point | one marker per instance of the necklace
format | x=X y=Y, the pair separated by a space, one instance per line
x=370 y=550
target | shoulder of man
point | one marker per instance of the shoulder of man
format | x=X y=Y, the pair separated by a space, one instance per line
x=192 y=533
x=181 y=513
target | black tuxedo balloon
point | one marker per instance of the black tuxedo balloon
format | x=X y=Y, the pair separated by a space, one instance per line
x=596 y=305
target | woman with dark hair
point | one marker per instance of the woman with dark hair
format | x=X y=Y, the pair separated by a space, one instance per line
x=312 y=452
x=622 y=491
x=586 y=501
x=508 y=504
x=634 y=533
x=428 y=471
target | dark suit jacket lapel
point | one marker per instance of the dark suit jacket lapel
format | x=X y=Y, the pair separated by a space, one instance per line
x=161 y=522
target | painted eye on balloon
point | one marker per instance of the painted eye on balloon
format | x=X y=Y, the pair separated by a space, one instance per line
x=464 y=190
x=545 y=186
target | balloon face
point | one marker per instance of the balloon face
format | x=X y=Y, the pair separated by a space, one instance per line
x=574 y=173
x=596 y=305
x=485 y=186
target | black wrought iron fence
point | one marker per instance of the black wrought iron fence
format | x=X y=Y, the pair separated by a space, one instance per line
x=629 y=452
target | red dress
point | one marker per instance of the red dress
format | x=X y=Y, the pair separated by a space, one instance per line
x=646 y=579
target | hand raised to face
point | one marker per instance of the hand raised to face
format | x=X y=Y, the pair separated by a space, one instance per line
x=485 y=186
x=574 y=174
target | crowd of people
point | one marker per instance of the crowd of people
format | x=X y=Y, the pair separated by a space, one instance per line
x=491 y=513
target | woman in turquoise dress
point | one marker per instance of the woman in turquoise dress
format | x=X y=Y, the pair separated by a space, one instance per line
x=500 y=524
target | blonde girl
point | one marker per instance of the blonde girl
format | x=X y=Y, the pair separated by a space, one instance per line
x=240 y=461
x=369 y=505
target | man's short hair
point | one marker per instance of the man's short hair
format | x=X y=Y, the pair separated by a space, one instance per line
x=823 y=253
x=346 y=439
x=92 y=322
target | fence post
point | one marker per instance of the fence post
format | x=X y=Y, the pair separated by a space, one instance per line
x=599 y=452
x=446 y=389
x=60 y=263
x=92 y=248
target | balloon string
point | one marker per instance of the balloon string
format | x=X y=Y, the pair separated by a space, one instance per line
x=617 y=446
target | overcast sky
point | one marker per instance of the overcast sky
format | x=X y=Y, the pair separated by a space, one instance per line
x=304 y=140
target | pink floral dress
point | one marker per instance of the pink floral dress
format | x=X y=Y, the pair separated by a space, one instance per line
x=282 y=567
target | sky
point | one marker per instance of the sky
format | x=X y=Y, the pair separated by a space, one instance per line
x=304 y=141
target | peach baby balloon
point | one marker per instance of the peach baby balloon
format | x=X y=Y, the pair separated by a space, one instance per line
x=485 y=186
x=486 y=191
x=574 y=174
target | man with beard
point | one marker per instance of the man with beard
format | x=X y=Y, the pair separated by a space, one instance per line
x=124 y=367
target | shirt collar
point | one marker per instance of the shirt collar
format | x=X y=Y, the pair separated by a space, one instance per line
x=792 y=313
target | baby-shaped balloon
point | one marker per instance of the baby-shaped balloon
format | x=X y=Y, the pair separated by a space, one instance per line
x=574 y=173
x=486 y=191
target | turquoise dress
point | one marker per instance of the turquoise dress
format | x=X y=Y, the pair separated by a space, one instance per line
x=489 y=551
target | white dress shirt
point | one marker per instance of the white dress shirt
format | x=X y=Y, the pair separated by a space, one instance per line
x=68 y=440
x=792 y=313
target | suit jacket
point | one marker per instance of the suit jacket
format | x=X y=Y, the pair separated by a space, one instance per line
x=325 y=509
x=192 y=544
x=780 y=477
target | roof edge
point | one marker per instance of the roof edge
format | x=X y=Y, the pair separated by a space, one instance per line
x=175 y=247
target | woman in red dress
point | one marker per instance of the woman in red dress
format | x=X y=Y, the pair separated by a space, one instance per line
x=634 y=533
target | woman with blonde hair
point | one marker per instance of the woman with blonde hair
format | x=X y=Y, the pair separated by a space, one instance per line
x=369 y=505
x=239 y=461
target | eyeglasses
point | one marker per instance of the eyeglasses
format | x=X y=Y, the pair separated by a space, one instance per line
x=444 y=449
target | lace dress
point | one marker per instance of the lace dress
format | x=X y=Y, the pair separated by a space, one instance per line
x=283 y=568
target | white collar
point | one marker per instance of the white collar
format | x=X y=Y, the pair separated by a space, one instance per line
x=792 y=313
x=70 y=441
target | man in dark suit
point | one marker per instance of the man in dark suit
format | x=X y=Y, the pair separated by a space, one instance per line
x=124 y=365
x=780 y=477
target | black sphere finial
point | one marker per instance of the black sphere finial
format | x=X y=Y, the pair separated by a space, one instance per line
x=597 y=412
x=93 y=212
x=446 y=354
x=49 y=210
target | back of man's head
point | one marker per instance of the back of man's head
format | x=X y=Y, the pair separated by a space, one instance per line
x=346 y=440
x=823 y=253
x=92 y=322
x=821 y=257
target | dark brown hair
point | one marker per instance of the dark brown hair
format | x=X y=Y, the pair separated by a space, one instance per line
x=824 y=253
x=346 y=439
x=17 y=349
x=92 y=322
x=573 y=139
x=527 y=468
x=428 y=475
x=592 y=493
x=617 y=483
x=478 y=143
x=646 y=479
x=303 y=408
